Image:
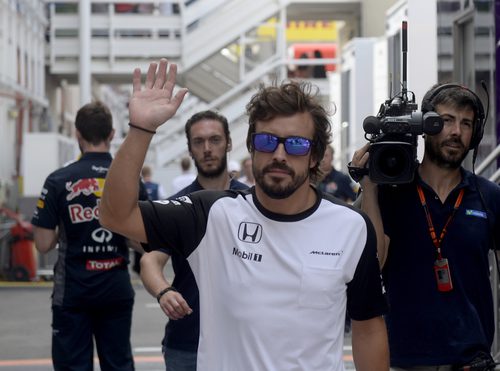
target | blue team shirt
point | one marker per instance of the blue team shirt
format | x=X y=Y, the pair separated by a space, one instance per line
x=92 y=261
x=338 y=184
x=426 y=326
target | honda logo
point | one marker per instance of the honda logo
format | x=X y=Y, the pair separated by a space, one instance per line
x=250 y=232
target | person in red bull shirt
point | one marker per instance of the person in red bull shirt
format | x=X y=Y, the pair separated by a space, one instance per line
x=92 y=296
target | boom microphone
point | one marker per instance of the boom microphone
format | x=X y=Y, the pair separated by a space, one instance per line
x=371 y=125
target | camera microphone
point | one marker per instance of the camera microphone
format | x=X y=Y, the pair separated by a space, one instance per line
x=371 y=125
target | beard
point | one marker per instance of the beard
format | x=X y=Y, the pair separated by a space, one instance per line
x=214 y=172
x=441 y=156
x=278 y=188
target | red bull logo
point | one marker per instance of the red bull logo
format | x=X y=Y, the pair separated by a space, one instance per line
x=84 y=187
x=80 y=214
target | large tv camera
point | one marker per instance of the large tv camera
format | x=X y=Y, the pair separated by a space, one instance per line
x=394 y=132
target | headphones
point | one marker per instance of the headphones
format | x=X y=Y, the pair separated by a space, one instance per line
x=478 y=128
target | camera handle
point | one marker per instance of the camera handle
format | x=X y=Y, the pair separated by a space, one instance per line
x=357 y=173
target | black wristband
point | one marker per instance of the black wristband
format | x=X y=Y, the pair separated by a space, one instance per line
x=143 y=129
x=164 y=291
x=357 y=173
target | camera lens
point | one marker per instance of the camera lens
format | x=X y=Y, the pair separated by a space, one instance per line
x=392 y=161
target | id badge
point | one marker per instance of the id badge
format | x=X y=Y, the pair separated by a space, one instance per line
x=443 y=276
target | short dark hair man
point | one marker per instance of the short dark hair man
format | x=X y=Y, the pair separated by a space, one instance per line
x=92 y=295
x=276 y=265
x=208 y=141
x=435 y=235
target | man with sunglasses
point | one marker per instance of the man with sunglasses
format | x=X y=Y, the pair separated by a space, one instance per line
x=277 y=265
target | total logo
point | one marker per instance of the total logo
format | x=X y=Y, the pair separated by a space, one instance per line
x=86 y=187
x=103 y=264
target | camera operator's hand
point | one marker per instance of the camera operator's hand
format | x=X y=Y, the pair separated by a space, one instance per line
x=357 y=167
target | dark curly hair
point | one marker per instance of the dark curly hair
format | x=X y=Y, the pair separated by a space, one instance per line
x=286 y=100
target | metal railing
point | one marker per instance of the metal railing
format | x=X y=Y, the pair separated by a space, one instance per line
x=495 y=177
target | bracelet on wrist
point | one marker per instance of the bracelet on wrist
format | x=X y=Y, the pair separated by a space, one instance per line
x=164 y=291
x=142 y=129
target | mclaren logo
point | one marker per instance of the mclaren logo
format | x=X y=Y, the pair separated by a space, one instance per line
x=250 y=232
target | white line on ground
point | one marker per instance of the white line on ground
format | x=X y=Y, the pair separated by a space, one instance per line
x=147 y=350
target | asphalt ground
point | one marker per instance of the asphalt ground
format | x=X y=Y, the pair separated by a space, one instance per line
x=25 y=331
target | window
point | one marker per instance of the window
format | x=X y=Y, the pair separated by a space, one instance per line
x=448 y=6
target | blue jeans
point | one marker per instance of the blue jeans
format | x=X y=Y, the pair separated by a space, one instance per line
x=179 y=360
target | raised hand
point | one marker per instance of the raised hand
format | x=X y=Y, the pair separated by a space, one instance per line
x=155 y=104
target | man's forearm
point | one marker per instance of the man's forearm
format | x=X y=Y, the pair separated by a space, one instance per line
x=134 y=245
x=45 y=239
x=152 y=265
x=120 y=195
x=370 y=345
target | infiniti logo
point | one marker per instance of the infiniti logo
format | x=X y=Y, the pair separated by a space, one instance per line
x=100 y=235
x=250 y=232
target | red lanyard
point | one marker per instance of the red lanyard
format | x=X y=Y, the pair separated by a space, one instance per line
x=432 y=231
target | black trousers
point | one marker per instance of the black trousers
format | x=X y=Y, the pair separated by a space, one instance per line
x=75 y=329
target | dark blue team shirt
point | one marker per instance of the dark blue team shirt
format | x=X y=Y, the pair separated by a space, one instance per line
x=338 y=184
x=92 y=262
x=426 y=326
x=152 y=190
x=183 y=334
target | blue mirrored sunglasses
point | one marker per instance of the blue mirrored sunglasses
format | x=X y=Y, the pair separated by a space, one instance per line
x=296 y=146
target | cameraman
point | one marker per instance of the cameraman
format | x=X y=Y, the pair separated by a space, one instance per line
x=434 y=236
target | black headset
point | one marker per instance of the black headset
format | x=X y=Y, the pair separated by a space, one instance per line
x=478 y=128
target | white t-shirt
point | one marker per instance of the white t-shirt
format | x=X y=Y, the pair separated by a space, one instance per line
x=182 y=181
x=273 y=288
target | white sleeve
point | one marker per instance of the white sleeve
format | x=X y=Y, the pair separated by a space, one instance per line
x=162 y=195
